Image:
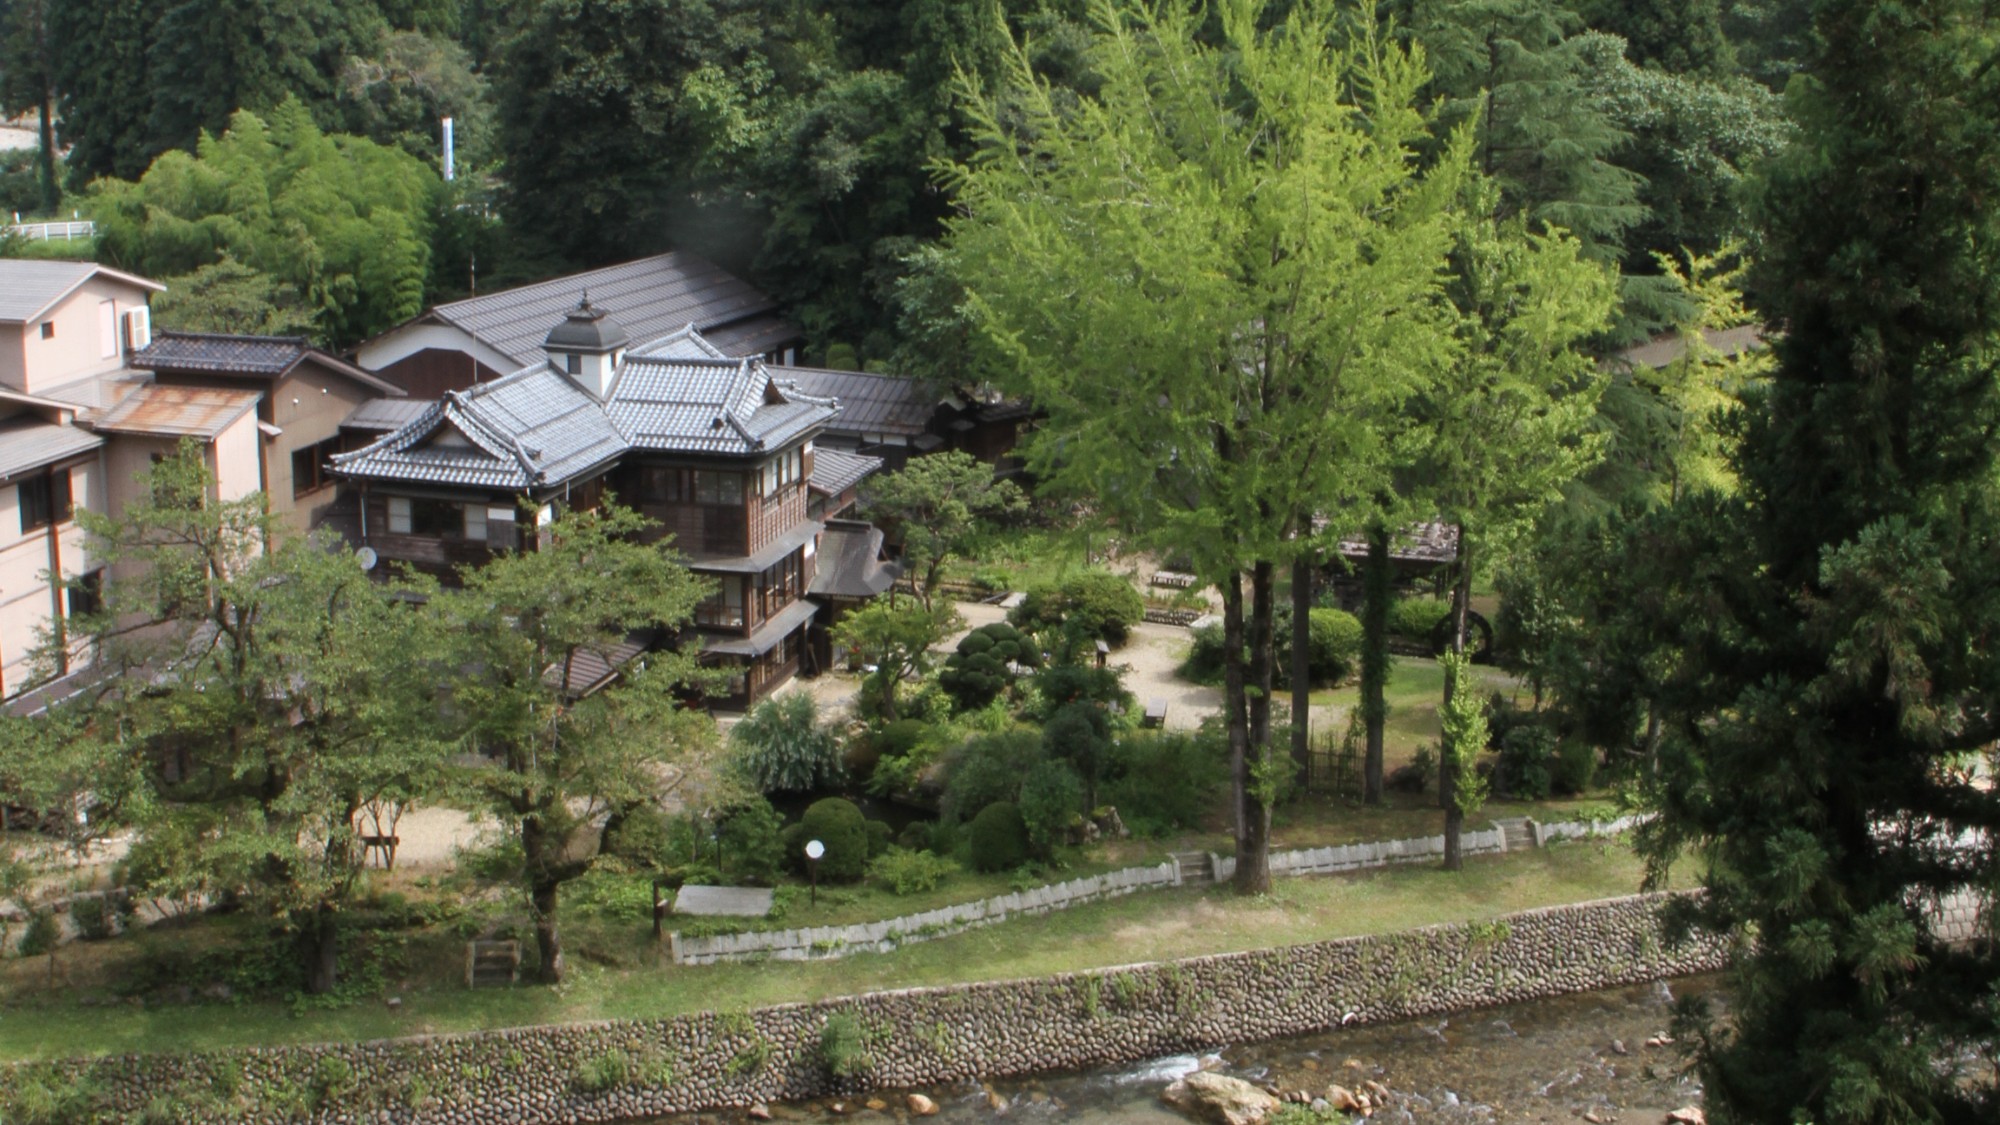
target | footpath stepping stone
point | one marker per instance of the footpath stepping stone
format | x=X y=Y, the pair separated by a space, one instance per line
x=742 y=902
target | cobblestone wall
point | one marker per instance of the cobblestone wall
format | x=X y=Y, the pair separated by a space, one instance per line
x=913 y=1038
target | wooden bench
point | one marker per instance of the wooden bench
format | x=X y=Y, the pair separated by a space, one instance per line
x=1173 y=580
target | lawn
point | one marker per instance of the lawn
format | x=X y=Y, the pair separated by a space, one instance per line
x=617 y=976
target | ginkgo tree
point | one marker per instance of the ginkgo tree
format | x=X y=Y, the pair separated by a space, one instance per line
x=1217 y=274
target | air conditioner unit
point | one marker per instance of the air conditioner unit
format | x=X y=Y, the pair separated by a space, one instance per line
x=138 y=328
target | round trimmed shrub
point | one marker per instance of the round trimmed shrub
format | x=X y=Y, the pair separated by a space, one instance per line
x=998 y=838
x=988 y=768
x=976 y=673
x=1415 y=618
x=1051 y=801
x=1335 y=645
x=837 y=823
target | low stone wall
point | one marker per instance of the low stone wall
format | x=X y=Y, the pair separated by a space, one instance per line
x=918 y=1037
x=822 y=942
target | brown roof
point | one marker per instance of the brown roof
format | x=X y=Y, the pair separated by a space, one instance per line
x=178 y=411
x=1664 y=349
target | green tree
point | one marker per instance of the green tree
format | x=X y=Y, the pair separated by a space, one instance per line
x=28 y=81
x=1215 y=275
x=615 y=115
x=897 y=639
x=1521 y=71
x=1674 y=36
x=103 y=98
x=276 y=684
x=1080 y=734
x=1819 y=760
x=938 y=504
x=228 y=296
x=1510 y=421
x=554 y=767
x=396 y=93
x=343 y=222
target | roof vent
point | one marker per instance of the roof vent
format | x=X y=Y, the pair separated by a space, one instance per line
x=588 y=330
x=717 y=424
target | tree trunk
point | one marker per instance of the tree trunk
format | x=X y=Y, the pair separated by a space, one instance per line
x=319 y=945
x=1374 y=657
x=1448 y=755
x=1302 y=600
x=45 y=161
x=540 y=862
x=1253 y=850
x=1236 y=721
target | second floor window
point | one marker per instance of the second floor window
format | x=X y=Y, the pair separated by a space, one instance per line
x=309 y=466
x=436 y=519
x=45 y=499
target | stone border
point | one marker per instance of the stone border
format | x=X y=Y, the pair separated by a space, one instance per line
x=607 y=1072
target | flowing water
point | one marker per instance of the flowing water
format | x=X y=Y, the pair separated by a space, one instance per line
x=1583 y=1058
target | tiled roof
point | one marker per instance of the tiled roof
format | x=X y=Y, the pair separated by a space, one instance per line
x=869 y=403
x=538 y=427
x=1419 y=542
x=727 y=406
x=850 y=562
x=532 y=428
x=380 y=415
x=28 y=442
x=650 y=298
x=214 y=353
x=202 y=412
x=835 y=471
x=29 y=286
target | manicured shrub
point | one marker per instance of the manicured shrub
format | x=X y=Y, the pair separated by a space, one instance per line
x=644 y=836
x=1080 y=735
x=43 y=934
x=1415 y=618
x=1163 y=781
x=836 y=823
x=976 y=674
x=897 y=739
x=1095 y=603
x=906 y=872
x=753 y=843
x=1575 y=766
x=1051 y=801
x=1335 y=645
x=986 y=769
x=998 y=838
x=781 y=747
x=1060 y=685
x=1334 y=651
x=881 y=837
x=94 y=917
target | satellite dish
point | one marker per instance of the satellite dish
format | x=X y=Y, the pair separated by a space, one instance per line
x=815 y=849
x=366 y=557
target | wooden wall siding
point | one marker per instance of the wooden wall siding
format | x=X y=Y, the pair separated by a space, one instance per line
x=433 y=371
x=698 y=529
x=772 y=516
x=429 y=554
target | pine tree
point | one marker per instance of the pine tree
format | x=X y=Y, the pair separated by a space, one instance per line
x=1841 y=685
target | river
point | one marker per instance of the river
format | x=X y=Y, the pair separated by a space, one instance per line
x=1582 y=1058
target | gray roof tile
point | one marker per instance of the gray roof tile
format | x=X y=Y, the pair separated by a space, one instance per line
x=869 y=403
x=649 y=297
x=214 y=353
x=28 y=443
x=538 y=427
x=28 y=286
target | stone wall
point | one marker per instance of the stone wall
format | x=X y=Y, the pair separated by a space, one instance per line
x=913 y=1038
x=822 y=942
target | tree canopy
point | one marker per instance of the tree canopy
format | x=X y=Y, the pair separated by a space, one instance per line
x=342 y=222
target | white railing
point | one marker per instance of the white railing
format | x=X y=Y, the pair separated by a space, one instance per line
x=53 y=232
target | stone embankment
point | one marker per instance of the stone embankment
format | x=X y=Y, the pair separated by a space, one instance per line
x=897 y=1040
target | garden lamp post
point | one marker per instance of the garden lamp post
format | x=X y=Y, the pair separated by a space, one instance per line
x=814 y=850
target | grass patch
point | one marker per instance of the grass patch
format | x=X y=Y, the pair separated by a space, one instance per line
x=617 y=979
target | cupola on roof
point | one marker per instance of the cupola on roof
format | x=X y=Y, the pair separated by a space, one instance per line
x=587 y=329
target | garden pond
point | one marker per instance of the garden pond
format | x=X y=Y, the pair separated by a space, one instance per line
x=1593 y=1056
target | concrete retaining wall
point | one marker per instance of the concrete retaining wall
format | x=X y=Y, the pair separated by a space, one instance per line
x=913 y=1038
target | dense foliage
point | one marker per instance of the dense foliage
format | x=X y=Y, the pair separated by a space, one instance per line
x=997 y=839
x=837 y=823
x=976 y=672
x=1088 y=606
x=782 y=747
